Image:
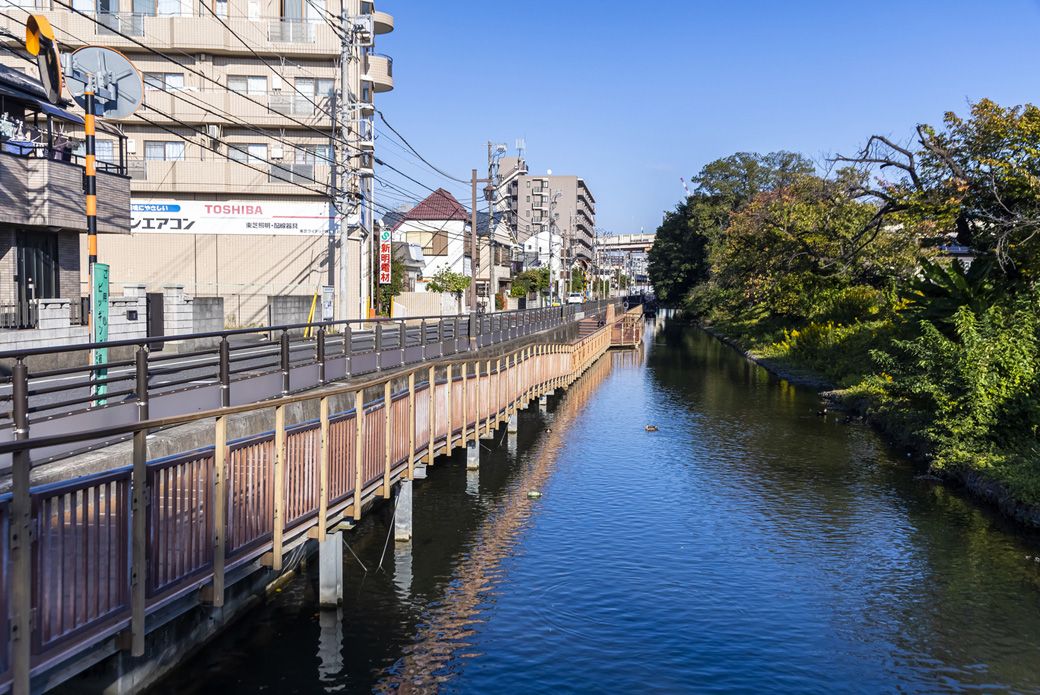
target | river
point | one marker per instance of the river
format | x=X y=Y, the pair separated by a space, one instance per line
x=747 y=545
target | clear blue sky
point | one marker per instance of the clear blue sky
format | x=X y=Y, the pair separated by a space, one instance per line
x=633 y=95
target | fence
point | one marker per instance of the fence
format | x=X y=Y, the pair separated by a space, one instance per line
x=111 y=549
x=238 y=366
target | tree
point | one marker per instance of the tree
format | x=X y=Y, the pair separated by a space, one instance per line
x=446 y=280
x=533 y=281
x=976 y=180
x=388 y=292
x=678 y=259
x=791 y=248
x=578 y=280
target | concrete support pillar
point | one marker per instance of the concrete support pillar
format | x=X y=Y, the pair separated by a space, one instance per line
x=473 y=482
x=511 y=443
x=403 y=512
x=543 y=403
x=330 y=570
x=472 y=456
x=512 y=425
x=419 y=472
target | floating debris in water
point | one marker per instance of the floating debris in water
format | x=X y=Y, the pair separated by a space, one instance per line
x=533 y=494
x=651 y=428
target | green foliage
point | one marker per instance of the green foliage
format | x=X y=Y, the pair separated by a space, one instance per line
x=844 y=274
x=942 y=289
x=530 y=282
x=578 y=280
x=388 y=292
x=446 y=280
x=975 y=394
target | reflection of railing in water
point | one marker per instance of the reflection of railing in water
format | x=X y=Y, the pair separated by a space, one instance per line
x=444 y=634
x=98 y=567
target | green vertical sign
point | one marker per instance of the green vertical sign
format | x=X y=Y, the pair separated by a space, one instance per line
x=99 y=327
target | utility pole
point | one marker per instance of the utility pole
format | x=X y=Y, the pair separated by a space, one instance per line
x=492 y=286
x=473 y=258
x=333 y=192
x=352 y=39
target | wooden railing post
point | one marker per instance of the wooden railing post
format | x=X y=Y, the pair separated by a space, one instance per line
x=451 y=414
x=465 y=401
x=387 y=439
x=487 y=405
x=433 y=415
x=216 y=590
x=280 y=455
x=139 y=539
x=359 y=440
x=411 y=424
x=323 y=469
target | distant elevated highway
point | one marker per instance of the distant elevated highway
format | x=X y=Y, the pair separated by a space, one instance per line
x=626 y=242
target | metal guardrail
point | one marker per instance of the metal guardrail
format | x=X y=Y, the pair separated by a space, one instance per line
x=236 y=367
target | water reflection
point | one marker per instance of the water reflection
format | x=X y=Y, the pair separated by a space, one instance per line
x=748 y=545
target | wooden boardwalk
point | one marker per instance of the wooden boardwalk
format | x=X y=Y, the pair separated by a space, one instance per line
x=108 y=550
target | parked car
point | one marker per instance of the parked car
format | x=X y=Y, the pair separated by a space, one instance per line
x=575 y=298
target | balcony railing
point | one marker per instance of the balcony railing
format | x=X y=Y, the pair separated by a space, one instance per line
x=121 y=23
x=291 y=31
x=298 y=104
x=291 y=173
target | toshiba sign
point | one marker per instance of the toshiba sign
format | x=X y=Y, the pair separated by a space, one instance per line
x=165 y=216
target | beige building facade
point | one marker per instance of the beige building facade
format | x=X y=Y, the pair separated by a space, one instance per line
x=231 y=155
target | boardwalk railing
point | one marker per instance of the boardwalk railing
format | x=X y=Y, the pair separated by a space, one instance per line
x=95 y=556
x=236 y=367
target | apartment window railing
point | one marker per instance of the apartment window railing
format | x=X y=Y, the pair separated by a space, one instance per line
x=291 y=173
x=298 y=105
x=291 y=31
x=120 y=23
x=137 y=169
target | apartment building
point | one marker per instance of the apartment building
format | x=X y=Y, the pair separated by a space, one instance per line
x=231 y=154
x=552 y=216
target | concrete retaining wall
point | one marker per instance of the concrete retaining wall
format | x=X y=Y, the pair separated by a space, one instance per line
x=207 y=314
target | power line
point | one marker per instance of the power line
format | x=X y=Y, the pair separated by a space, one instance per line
x=416 y=152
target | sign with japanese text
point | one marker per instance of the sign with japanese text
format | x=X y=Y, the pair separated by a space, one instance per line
x=385 y=257
x=230 y=217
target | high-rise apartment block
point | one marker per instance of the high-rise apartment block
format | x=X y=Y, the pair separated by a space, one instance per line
x=231 y=155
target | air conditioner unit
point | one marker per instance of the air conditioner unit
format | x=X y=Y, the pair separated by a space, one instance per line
x=277 y=152
x=276 y=83
x=213 y=131
x=131 y=146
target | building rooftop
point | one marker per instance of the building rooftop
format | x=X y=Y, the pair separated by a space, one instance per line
x=439 y=205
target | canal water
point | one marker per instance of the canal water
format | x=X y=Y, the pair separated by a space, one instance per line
x=748 y=545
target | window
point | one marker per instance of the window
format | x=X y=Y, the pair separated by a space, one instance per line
x=248 y=152
x=314 y=154
x=247 y=84
x=219 y=7
x=164 y=81
x=105 y=151
x=163 y=151
x=316 y=86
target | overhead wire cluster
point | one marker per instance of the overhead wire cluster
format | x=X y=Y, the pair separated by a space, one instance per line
x=293 y=177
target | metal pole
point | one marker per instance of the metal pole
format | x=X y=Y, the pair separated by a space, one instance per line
x=20 y=538
x=474 y=260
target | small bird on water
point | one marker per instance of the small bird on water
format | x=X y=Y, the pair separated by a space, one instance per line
x=651 y=428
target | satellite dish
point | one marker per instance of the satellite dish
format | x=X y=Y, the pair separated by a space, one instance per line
x=117 y=84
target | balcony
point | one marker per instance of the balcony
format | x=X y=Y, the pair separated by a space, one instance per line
x=220 y=176
x=258 y=108
x=383 y=22
x=48 y=192
x=380 y=72
x=267 y=35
